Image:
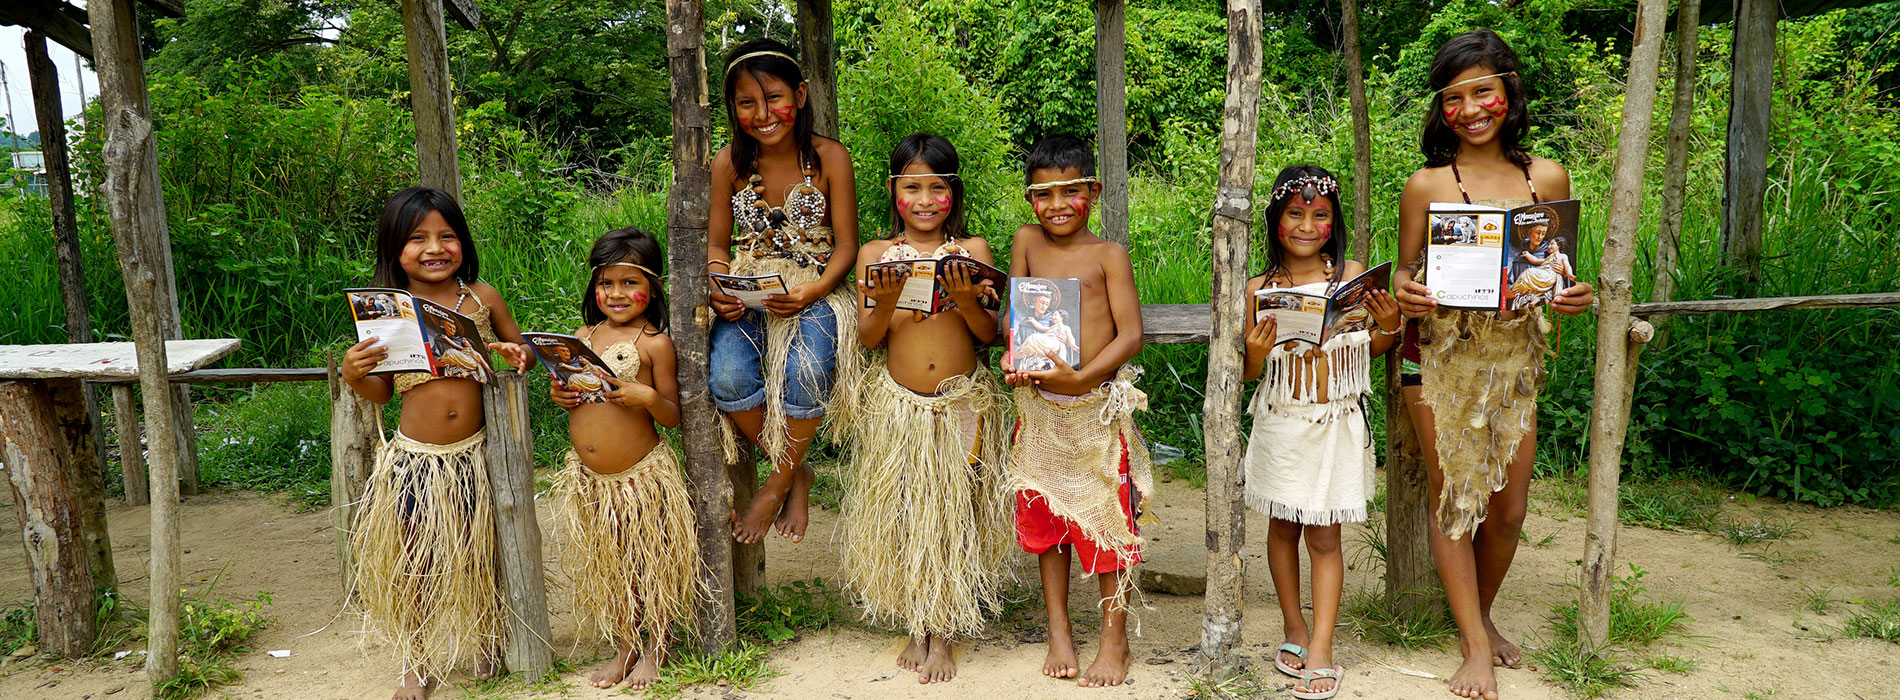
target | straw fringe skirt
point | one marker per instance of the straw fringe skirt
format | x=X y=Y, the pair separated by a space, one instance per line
x=631 y=551
x=424 y=543
x=927 y=510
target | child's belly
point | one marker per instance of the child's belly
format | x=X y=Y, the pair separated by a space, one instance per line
x=923 y=354
x=608 y=438
x=442 y=411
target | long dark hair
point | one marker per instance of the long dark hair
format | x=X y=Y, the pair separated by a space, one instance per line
x=400 y=217
x=745 y=150
x=629 y=245
x=1335 y=245
x=1478 y=48
x=936 y=153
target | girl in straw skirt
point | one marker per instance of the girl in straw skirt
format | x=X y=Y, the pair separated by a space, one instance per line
x=926 y=508
x=631 y=551
x=424 y=534
x=1309 y=459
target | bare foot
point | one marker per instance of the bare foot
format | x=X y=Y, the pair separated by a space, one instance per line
x=1111 y=664
x=614 y=672
x=1503 y=652
x=912 y=657
x=412 y=688
x=1474 y=678
x=1060 y=662
x=488 y=665
x=645 y=672
x=796 y=515
x=751 y=527
x=940 y=665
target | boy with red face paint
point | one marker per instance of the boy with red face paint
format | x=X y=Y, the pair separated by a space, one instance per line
x=1079 y=466
x=1471 y=378
x=1309 y=459
x=926 y=508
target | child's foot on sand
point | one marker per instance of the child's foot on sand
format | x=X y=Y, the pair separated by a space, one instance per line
x=1503 y=652
x=751 y=527
x=940 y=665
x=1474 y=678
x=796 y=516
x=1111 y=664
x=488 y=666
x=412 y=688
x=646 y=672
x=912 y=657
x=1060 y=662
x=614 y=672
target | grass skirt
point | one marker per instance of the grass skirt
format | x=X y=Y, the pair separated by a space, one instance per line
x=1481 y=378
x=424 y=543
x=631 y=552
x=927 y=509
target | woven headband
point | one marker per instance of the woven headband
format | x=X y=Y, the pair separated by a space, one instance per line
x=1059 y=183
x=1319 y=185
x=1468 y=81
x=946 y=176
x=742 y=59
x=635 y=266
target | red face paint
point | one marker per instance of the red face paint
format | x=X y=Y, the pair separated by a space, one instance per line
x=1495 y=105
x=787 y=114
x=745 y=121
x=1451 y=114
x=943 y=201
x=639 y=298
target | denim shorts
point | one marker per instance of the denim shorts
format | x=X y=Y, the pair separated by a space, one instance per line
x=737 y=362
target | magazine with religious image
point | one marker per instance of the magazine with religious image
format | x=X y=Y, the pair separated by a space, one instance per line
x=1317 y=318
x=923 y=288
x=570 y=360
x=421 y=335
x=751 y=290
x=1045 y=316
x=1475 y=255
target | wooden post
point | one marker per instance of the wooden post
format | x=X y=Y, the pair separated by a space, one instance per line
x=1411 y=579
x=1111 y=117
x=1361 y=136
x=1676 y=156
x=510 y=444
x=354 y=438
x=820 y=56
x=39 y=467
x=748 y=560
x=125 y=416
x=75 y=423
x=1233 y=217
x=429 y=95
x=1750 y=120
x=1609 y=415
x=137 y=212
x=687 y=209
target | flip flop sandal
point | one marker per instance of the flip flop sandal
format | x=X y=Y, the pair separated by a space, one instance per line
x=1307 y=678
x=1293 y=649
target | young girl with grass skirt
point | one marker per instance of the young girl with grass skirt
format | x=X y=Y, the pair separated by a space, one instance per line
x=424 y=534
x=630 y=549
x=1471 y=378
x=927 y=509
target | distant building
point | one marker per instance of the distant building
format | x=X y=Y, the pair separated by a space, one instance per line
x=28 y=171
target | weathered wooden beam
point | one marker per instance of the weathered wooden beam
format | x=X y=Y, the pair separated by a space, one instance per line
x=1233 y=216
x=1361 y=134
x=175 y=8
x=465 y=13
x=688 y=206
x=1750 y=123
x=354 y=437
x=1729 y=306
x=1676 y=157
x=48 y=499
x=56 y=20
x=77 y=427
x=235 y=375
x=748 y=559
x=1111 y=116
x=510 y=444
x=125 y=416
x=820 y=57
x=430 y=98
x=1609 y=414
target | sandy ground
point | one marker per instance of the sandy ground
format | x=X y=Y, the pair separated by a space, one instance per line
x=1751 y=637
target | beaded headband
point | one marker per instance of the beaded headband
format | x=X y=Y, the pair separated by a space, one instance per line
x=1059 y=183
x=635 y=266
x=742 y=59
x=1309 y=187
x=946 y=176
x=1468 y=81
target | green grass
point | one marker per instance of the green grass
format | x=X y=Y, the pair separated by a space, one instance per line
x=1425 y=625
x=18 y=628
x=1743 y=534
x=1633 y=620
x=1875 y=621
x=1239 y=686
x=1674 y=663
x=1586 y=673
x=211 y=633
x=1817 y=599
x=273 y=438
x=1676 y=505
x=514 y=685
x=778 y=614
x=742 y=668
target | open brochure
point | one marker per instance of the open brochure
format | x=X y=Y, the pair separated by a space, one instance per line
x=570 y=360
x=1479 y=257
x=1045 y=317
x=421 y=335
x=1317 y=318
x=923 y=287
x=751 y=290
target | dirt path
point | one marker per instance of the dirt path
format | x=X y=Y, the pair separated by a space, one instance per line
x=1752 y=638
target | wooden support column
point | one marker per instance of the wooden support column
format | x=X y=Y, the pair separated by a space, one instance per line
x=429 y=95
x=509 y=441
x=1111 y=116
x=1233 y=218
x=137 y=211
x=1361 y=134
x=125 y=415
x=76 y=426
x=47 y=493
x=748 y=560
x=1750 y=121
x=819 y=56
x=1676 y=157
x=1609 y=415
x=354 y=438
x=687 y=209
x=1411 y=578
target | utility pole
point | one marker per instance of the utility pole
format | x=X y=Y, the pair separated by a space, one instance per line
x=79 y=77
x=13 y=127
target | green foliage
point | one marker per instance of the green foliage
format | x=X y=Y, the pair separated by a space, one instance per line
x=210 y=633
x=1674 y=663
x=1741 y=534
x=1668 y=504
x=777 y=614
x=1585 y=672
x=742 y=668
x=514 y=685
x=1633 y=622
x=1875 y=621
x=270 y=437
x=18 y=628
x=1409 y=622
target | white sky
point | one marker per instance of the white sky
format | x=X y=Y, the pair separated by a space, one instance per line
x=13 y=56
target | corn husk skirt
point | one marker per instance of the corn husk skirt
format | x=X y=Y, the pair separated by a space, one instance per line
x=424 y=544
x=1481 y=378
x=631 y=550
x=927 y=517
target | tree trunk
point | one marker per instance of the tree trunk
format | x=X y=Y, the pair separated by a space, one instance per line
x=1361 y=136
x=125 y=416
x=1410 y=577
x=39 y=466
x=1609 y=415
x=687 y=209
x=510 y=450
x=820 y=63
x=429 y=95
x=1232 y=220
x=1676 y=159
x=354 y=437
x=1750 y=121
x=76 y=427
x=1111 y=117
x=748 y=560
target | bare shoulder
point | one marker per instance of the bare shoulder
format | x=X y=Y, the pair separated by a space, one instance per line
x=1029 y=232
x=655 y=343
x=1110 y=253
x=1550 y=176
x=486 y=293
x=722 y=161
x=1429 y=182
x=1353 y=268
x=1256 y=282
x=869 y=252
x=975 y=244
x=831 y=152
x=579 y=332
